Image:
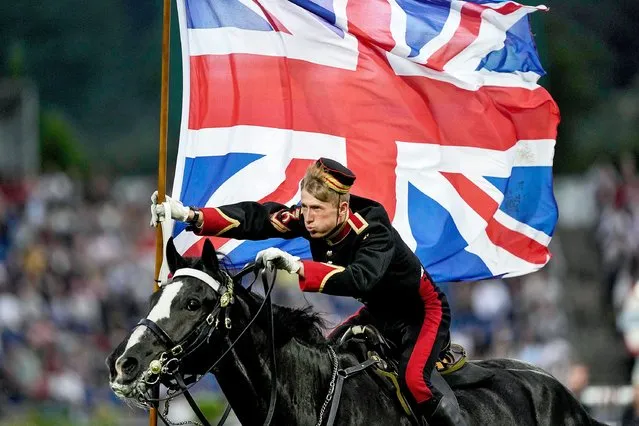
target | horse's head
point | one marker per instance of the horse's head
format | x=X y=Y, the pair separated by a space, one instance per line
x=180 y=319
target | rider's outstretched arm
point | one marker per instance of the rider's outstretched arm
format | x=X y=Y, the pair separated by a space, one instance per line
x=250 y=221
x=246 y=220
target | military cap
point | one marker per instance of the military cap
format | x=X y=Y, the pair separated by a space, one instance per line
x=336 y=176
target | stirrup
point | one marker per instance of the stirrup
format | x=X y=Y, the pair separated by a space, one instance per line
x=452 y=359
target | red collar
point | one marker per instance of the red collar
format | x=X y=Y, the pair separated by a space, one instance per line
x=355 y=222
x=341 y=232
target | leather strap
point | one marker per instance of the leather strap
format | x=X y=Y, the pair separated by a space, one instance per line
x=343 y=374
x=159 y=333
x=191 y=401
x=225 y=414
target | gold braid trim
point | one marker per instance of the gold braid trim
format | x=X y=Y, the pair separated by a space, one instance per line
x=334 y=184
x=233 y=223
x=337 y=269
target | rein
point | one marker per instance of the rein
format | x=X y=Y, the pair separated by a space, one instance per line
x=166 y=369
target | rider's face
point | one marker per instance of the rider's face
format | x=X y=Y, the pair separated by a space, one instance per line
x=320 y=217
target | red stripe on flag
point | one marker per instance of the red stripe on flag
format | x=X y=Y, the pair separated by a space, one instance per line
x=370 y=20
x=466 y=33
x=491 y=117
x=196 y=249
x=287 y=189
x=474 y=196
x=516 y=243
x=414 y=109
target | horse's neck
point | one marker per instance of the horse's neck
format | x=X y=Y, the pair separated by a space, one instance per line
x=303 y=374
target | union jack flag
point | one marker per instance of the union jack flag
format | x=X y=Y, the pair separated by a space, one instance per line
x=434 y=104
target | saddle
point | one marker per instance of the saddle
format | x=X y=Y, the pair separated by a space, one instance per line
x=452 y=371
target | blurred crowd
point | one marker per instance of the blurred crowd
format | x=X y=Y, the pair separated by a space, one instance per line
x=617 y=237
x=518 y=318
x=76 y=269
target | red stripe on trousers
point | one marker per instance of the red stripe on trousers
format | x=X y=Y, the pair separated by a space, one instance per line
x=425 y=341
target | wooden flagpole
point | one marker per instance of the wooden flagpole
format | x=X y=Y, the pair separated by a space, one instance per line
x=164 y=117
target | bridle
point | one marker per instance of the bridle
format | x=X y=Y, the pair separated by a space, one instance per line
x=166 y=369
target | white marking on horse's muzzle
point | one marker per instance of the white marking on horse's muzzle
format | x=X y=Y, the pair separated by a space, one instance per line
x=161 y=310
x=123 y=391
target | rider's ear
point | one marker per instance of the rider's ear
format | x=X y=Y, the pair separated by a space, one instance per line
x=343 y=207
x=209 y=257
x=173 y=258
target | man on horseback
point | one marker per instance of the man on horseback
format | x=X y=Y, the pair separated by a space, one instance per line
x=356 y=252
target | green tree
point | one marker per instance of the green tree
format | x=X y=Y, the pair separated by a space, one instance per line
x=59 y=146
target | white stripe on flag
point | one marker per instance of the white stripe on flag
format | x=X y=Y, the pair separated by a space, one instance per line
x=266 y=141
x=432 y=184
x=339 y=8
x=498 y=260
x=398 y=30
x=444 y=36
x=527 y=230
x=472 y=161
x=325 y=48
x=491 y=37
x=497 y=5
x=261 y=177
x=186 y=97
x=467 y=80
x=288 y=144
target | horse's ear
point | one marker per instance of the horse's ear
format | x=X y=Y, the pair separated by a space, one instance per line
x=173 y=258
x=209 y=257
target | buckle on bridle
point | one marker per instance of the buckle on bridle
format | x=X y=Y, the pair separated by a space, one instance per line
x=171 y=369
x=177 y=350
x=210 y=319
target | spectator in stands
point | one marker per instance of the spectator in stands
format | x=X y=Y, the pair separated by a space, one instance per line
x=630 y=416
x=578 y=379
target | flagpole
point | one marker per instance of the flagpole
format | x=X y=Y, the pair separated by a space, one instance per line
x=164 y=114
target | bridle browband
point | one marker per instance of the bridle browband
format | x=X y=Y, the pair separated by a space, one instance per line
x=166 y=368
x=200 y=275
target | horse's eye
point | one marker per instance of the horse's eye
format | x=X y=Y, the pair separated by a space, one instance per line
x=193 y=305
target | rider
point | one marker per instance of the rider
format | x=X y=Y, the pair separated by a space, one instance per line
x=356 y=252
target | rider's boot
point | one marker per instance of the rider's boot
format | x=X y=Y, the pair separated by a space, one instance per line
x=447 y=414
x=441 y=411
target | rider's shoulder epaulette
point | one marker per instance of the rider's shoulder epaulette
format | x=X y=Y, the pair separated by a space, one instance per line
x=357 y=223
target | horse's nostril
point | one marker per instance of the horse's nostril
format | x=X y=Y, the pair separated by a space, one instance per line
x=128 y=365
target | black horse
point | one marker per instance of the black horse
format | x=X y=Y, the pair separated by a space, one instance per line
x=197 y=302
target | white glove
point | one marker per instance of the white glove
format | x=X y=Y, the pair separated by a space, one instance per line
x=178 y=211
x=279 y=259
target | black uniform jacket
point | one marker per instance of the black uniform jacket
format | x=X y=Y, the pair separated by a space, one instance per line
x=365 y=258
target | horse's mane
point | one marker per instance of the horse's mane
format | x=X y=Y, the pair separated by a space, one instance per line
x=302 y=324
